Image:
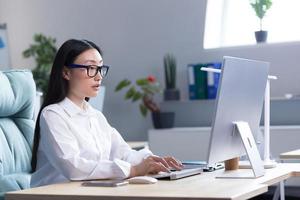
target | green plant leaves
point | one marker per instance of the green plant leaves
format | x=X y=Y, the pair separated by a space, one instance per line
x=143 y=110
x=142 y=82
x=151 y=89
x=41 y=77
x=170 y=71
x=260 y=7
x=142 y=87
x=43 y=50
x=130 y=93
x=27 y=53
x=137 y=96
x=124 y=83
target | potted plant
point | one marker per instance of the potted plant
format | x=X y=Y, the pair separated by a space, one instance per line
x=43 y=51
x=260 y=7
x=144 y=90
x=170 y=93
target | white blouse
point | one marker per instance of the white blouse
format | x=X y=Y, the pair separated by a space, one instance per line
x=79 y=144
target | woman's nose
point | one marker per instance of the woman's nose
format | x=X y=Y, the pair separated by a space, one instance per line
x=98 y=76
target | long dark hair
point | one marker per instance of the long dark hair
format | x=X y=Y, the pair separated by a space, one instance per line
x=58 y=86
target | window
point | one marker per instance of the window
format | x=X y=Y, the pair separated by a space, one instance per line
x=233 y=23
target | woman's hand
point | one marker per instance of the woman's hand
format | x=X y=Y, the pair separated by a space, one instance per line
x=155 y=164
x=173 y=163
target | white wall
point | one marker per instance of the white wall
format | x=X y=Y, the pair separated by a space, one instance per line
x=135 y=35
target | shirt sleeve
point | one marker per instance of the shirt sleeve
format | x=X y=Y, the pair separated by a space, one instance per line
x=120 y=149
x=62 y=151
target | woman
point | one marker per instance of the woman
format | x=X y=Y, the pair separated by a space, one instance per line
x=73 y=141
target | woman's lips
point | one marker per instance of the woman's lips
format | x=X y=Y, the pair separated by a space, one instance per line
x=96 y=86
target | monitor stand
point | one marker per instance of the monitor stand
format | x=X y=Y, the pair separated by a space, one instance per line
x=268 y=164
x=258 y=170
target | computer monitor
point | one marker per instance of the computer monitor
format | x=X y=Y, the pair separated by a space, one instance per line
x=239 y=99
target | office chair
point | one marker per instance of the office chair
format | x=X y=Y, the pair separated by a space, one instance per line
x=17 y=97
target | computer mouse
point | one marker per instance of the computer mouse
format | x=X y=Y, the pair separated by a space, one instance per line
x=142 y=180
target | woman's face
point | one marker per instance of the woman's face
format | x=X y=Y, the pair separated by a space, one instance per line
x=80 y=84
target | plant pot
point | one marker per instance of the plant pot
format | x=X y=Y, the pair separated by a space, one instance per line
x=261 y=36
x=163 y=119
x=171 y=94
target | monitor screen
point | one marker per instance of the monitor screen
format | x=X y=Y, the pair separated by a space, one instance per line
x=240 y=98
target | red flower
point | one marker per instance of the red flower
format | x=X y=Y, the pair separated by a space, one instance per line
x=151 y=79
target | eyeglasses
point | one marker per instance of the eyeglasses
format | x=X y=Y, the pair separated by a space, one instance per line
x=92 y=70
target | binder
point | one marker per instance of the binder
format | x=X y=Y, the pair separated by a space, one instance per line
x=201 y=81
x=191 y=81
x=197 y=82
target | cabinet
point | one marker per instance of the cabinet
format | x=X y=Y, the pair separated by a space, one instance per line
x=192 y=143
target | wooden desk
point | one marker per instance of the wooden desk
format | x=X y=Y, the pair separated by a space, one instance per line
x=291 y=155
x=204 y=186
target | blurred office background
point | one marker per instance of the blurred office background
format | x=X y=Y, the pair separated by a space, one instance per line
x=134 y=36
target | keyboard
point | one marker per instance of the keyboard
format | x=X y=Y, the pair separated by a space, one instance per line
x=188 y=170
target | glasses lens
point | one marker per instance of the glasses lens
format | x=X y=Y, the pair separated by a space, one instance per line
x=92 y=71
x=103 y=71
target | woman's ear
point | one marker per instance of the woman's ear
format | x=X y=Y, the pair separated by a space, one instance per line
x=66 y=73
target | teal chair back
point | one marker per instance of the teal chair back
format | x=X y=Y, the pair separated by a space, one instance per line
x=17 y=97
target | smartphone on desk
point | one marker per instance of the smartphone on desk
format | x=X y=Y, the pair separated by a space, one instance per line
x=105 y=183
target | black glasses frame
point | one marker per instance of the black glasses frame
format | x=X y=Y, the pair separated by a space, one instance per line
x=102 y=69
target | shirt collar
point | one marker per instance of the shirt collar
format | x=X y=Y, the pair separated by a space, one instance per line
x=72 y=109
